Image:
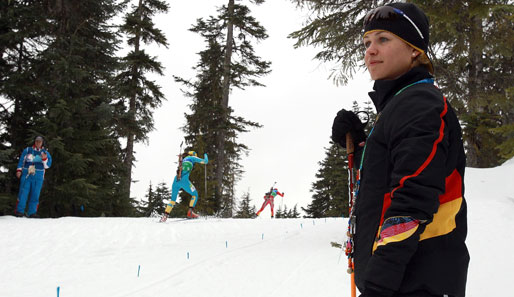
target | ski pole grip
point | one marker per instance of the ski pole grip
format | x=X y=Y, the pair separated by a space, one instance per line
x=349 y=143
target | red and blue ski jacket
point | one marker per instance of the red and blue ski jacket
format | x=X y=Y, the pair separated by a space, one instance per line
x=28 y=155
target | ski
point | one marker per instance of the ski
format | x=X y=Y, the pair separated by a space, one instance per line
x=176 y=220
x=172 y=220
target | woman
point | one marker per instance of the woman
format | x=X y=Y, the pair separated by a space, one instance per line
x=269 y=198
x=410 y=211
x=33 y=163
x=182 y=181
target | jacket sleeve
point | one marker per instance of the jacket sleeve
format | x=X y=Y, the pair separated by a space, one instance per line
x=198 y=160
x=418 y=145
x=22 y=159
x=48 y=161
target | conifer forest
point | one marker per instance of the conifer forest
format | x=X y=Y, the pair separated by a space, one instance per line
x=79 y=74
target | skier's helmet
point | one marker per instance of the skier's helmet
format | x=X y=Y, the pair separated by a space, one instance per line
x=192 y=153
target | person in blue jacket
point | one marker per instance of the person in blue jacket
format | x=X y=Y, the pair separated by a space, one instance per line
x=181 y=181
x=33 y=162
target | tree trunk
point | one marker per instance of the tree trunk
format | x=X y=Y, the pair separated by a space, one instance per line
x=15 y=127
x=129 y=150
x=224 y=104
x=474 y=80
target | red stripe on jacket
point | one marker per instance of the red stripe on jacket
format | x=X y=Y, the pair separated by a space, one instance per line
x=432 y=153
x=389 y=196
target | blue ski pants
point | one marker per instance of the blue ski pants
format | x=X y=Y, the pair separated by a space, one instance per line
x=30 y=188
x=187 y=186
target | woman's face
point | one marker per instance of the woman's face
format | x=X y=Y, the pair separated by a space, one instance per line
x=387 y=56
x=38 y=143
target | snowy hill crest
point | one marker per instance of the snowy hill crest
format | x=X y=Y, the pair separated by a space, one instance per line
x=229 y=257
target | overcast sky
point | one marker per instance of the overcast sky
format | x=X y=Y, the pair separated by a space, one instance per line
x=296 y=108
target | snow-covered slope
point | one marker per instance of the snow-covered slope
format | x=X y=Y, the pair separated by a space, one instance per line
x=118 y=257
x=490 y=197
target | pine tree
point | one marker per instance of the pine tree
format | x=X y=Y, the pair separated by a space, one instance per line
x=279 y=213
x=145 y=208
x=238 y=73
x=330 y=190
x=244 y=210
x=285 y=212
x=473 y=41
x=471 y=49
x=295 y=214
x=202 y=123
x=138 y=95
x=335 y=26
x=161 y=193
x=74 y=74
x=22 y=28
x=211 y=126
x=7 y=200
x=154 y=205
x=330 y=196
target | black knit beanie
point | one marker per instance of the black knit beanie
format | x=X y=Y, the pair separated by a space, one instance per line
x=403 y=28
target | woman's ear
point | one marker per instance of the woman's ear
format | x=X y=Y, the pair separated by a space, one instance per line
x=415 y=53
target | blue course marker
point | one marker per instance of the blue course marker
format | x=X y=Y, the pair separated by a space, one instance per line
x=262 y=236
x=138 y=269
x=226 y=244
x=58 y=289
x=188 y=255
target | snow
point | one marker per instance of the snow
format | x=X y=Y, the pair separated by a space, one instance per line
x=118 y=257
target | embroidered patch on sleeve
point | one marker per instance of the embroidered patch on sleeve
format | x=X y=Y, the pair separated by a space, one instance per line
x=397 y=229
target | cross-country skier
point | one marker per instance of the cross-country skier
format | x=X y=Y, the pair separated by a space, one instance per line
x=409 y=214
x=269 y=199
x=181 y=181
x=34 y=160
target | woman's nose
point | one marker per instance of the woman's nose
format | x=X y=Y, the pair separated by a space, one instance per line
x=371 y=50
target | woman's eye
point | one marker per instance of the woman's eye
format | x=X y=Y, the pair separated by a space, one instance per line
x=367 y=44
x=383 y=39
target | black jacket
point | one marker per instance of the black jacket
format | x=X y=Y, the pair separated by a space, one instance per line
x=411 y=220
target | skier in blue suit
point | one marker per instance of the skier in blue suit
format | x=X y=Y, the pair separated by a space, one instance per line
x=181 y=181
x=33 y=162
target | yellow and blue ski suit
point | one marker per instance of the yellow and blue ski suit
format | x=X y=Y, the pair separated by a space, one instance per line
x=184 y=183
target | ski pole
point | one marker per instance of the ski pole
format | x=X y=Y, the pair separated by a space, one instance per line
x=349 y=245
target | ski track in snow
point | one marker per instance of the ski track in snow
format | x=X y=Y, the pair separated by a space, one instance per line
x=216 y=267
x=100 y=257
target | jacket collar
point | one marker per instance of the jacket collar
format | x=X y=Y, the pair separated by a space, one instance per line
x=384 y=90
